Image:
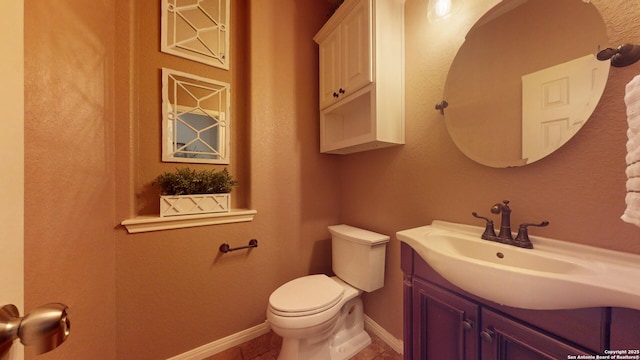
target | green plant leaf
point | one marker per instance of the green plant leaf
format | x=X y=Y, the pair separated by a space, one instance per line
x=185 y=181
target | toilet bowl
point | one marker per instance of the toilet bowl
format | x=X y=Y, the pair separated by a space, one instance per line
x=321 y=317
x=329 y=327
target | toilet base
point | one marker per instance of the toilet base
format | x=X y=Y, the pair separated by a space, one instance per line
x=342 y=342
x=351 y=347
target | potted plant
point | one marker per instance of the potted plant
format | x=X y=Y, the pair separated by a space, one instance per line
x=187 y=192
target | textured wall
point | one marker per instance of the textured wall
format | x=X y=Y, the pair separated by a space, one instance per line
x=69 y=169
x=580 y=189
x=175 y=292
x=83 y=86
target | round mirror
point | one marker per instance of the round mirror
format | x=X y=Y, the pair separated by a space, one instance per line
x=525 y=80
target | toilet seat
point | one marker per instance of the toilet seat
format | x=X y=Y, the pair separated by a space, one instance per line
x=305 y=296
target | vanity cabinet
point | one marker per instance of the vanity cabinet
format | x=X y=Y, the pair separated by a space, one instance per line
x=442 y=321
x=445 y=324
x=361 y=60
x=625 y=330
x=506 y=339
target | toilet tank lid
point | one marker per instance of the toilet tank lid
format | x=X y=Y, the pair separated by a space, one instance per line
x=358 y=235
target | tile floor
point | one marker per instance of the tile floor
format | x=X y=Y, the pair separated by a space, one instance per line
x=266 y=347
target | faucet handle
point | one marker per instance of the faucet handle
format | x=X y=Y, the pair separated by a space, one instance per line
x=522 y=239
x=489 y=231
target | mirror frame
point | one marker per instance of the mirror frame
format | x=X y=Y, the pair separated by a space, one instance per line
x=200 y=91
x=198 y=32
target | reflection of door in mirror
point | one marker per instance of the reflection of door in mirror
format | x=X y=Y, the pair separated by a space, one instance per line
x=556 y=102
x=195 y=121
x=484 y=84
x=196 y=134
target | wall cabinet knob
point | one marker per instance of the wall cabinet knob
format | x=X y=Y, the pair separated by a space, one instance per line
x=467 y=325
x=341 y=91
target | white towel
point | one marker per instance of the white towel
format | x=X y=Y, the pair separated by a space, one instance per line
x=633 y=170
x=632 y=199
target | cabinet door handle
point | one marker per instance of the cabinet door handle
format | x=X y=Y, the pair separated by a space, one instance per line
x=335 y=94
x=467 y=325
x=341 y=91
x=486 y=335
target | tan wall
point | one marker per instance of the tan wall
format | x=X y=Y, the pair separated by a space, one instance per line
x=69 y=169
x=175 y=292
x=172 y=289
x=580 y=189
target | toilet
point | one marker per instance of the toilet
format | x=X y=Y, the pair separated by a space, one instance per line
x=321 y=317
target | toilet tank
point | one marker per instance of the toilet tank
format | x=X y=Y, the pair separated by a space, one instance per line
x=358 y=256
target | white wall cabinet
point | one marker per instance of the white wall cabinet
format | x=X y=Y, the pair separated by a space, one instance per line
x=345 y=55
x=361 y=51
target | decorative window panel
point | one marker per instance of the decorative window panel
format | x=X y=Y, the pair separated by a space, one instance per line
x=195 y=119
x=197 y=30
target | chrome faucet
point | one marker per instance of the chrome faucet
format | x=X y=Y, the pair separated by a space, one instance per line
x=505 y=236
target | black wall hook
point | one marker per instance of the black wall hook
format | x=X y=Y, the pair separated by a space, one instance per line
x=441 y=106
x=623 y=55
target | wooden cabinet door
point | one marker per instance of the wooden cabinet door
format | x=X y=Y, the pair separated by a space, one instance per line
x=625 y=330
x=505 y=339
x=346 y=57
x=357 y=53
x=329 y=55
x=445 y=326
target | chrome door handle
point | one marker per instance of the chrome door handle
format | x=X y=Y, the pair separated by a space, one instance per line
x=46 y=327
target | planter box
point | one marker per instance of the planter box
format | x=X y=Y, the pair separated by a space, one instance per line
x=173 y=205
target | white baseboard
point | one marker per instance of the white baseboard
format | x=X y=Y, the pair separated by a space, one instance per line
x=396 y=344
x=249 y=334
x=225 y=343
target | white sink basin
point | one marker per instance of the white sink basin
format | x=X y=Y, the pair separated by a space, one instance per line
x=553 y=275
